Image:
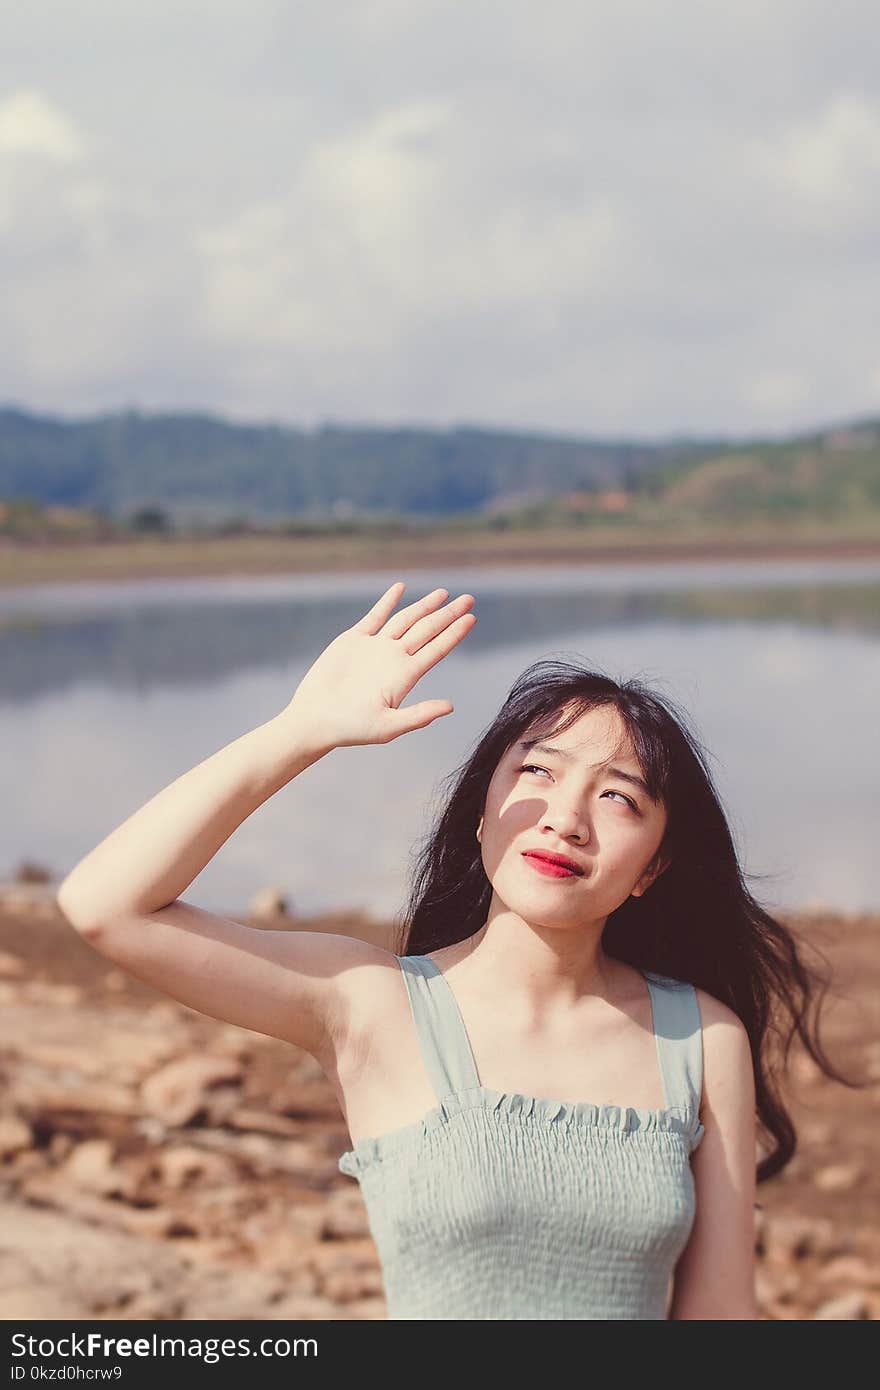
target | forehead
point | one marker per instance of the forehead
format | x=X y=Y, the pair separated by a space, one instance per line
x=597 y=733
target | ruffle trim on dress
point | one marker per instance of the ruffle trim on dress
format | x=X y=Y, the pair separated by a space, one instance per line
x=565 y=1114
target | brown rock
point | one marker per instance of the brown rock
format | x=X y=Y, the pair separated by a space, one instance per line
x=847 y=1306
x=345 y=1218
x=306 y=1223
x=179 y=1091
x=46 y=1100
x=91 y=1166
x=15 y=1134
x=850 y=1269
x=61 y=996
x=346 y=1285
x=55 y=1190
x=309 y=1099
x=21 y=1164
x=791 y=1238
x=333 y=1256
x=155 y=1304
x=236 y=1293
x=24 y=899
x=776 y=1286
x=155 y=1222
x=57 y=1265
x=165 y=1011
x=245 y=1117
x=33 y=872
x=299 y=1307
x=268 y=904
x=839 y=1177
x=185 y=1164
x=60 y=1146
x=276 y=1255
x=228 y=1040
x=39 y=1302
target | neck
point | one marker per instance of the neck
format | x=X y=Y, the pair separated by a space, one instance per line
x=544 y=967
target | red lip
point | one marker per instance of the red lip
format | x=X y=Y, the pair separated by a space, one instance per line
x=551 y=862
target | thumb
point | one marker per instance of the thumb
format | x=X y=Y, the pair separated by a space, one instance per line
x=418 y=716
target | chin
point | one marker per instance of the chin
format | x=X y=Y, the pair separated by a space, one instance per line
x=535 y=909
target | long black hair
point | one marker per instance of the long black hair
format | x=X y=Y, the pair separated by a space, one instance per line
x=697 y=922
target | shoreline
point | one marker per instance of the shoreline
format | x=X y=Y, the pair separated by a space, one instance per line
x=34 y=898
x=252 y=555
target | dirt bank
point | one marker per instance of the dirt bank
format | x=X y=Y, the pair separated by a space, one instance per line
x=155 y=1163
x=65 y=562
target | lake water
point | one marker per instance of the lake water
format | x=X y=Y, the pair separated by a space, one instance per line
x=109 y=692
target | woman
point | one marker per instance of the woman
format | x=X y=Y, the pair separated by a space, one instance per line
x=552 y=1090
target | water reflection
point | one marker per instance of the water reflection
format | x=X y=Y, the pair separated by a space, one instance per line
x=183 y=639
x=109 y=693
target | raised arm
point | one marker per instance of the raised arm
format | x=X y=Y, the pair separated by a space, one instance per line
x=124 y=896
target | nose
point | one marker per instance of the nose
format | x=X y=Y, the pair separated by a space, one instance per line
x=567 y=822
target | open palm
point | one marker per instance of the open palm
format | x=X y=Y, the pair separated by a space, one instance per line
x=354 y=691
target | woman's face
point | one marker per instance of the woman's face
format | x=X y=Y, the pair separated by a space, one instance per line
x=572 y=803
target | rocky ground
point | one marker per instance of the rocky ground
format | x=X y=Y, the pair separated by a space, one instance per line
x=158 y=1164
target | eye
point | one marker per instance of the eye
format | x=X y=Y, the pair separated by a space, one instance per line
x=627 y=801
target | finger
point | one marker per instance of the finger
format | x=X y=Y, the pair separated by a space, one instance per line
x=442 y=644
x=403 y=621
x=373 y=620
x=428 y=627
x=420 y=715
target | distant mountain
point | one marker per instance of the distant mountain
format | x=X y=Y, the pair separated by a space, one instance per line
x=196 y=466
x=202 y=468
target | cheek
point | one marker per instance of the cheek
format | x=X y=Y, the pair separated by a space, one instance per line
x=620 y=849
x=507 y=816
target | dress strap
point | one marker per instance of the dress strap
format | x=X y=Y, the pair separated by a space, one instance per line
x=439 y=1026
x=679 y=1036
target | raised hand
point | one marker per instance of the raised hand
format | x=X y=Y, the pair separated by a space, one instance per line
x=353 y=692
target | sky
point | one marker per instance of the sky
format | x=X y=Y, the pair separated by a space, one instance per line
x=610 y=218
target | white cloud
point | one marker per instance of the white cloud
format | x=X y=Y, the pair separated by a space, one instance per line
x=30 y=124
x=605 y=218
x=830 y=163
x=385 y=228
x=776 y=392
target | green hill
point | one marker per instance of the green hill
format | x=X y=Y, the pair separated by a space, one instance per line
x=833 y=477
x=201 y=469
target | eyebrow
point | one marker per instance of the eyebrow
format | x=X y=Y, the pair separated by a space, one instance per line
x=528 y=744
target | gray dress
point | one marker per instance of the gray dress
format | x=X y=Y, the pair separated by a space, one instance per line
x=501 y=1205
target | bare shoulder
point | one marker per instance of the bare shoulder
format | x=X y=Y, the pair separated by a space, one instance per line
x=728 y=1072
x=714 y=1013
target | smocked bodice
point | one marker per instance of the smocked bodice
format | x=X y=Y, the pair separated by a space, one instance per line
x=502 y=1205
